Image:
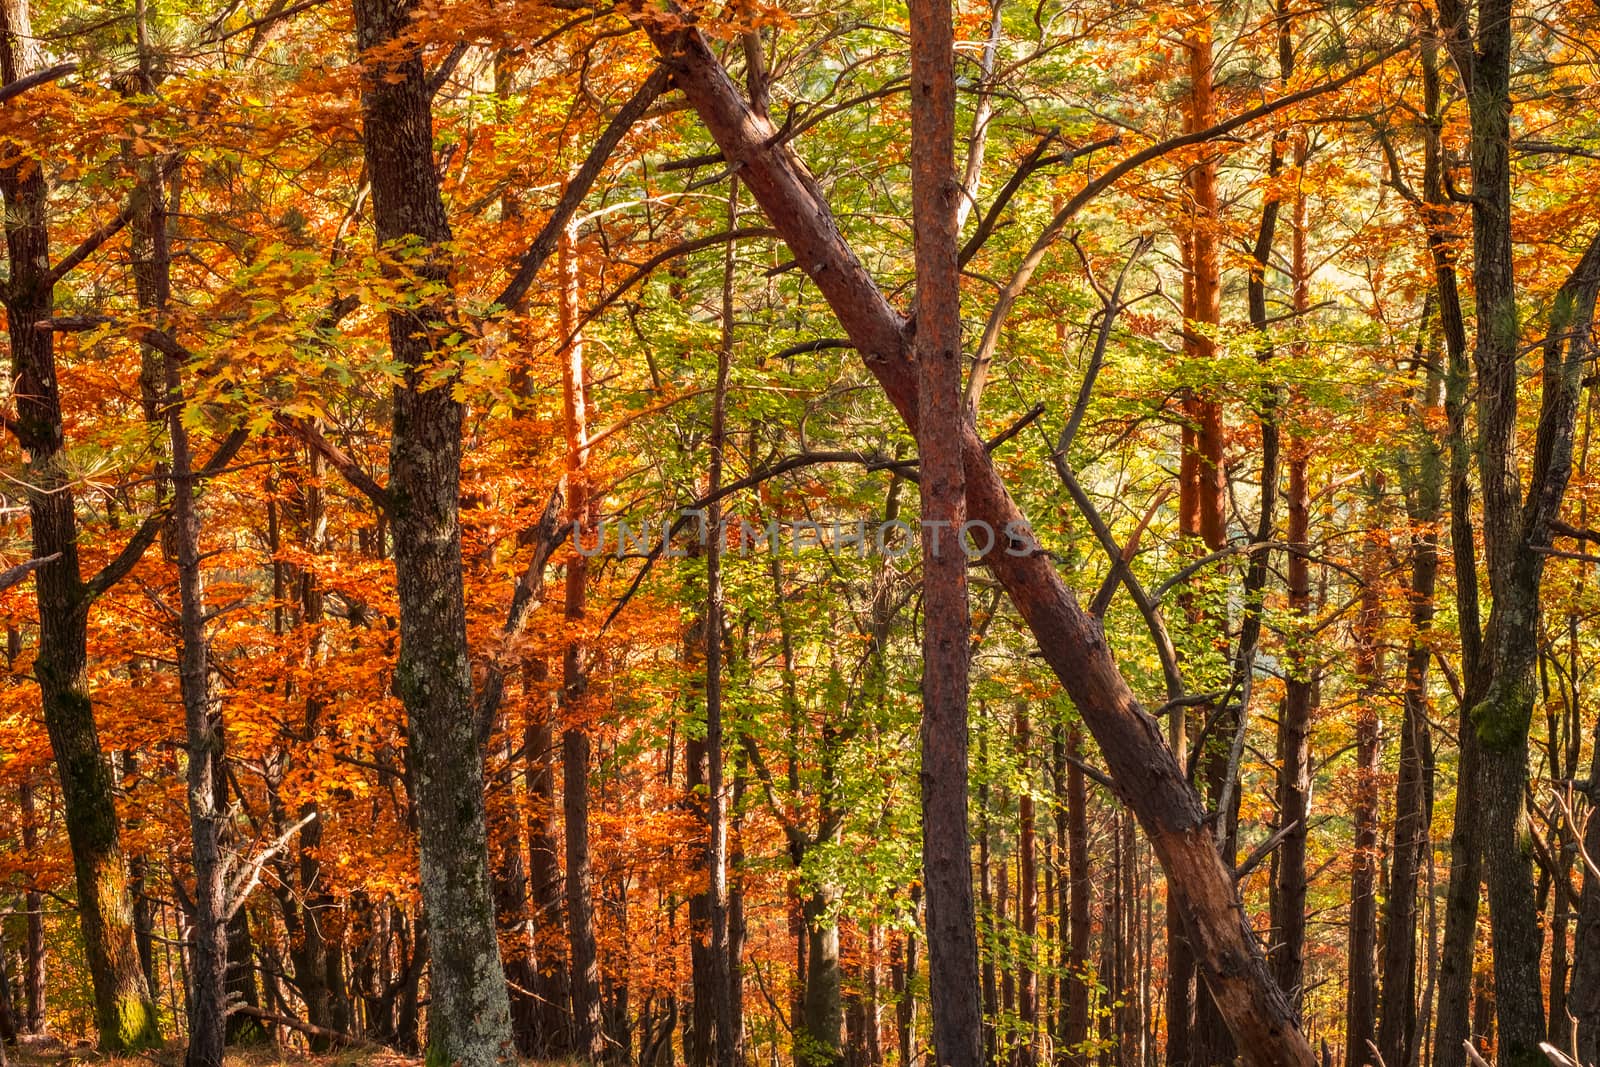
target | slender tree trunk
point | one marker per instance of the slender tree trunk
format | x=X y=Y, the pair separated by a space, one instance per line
x=33 y=975
x=1452 y=1024
x=544 y=876
x=208 y=929
x=1300 y=687
x=946 y=852
x=1027 y=901
x=1397 y=1024
x=125 y=1016
x=1585 y=993
x=586 y=1014
x=1076 y=1034
x=470 y=1019
x=1194 y=1030
x=716 y=808
x=1361 y=999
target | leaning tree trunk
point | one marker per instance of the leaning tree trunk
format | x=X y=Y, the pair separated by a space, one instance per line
x=469 y=1021
x=125 y=1017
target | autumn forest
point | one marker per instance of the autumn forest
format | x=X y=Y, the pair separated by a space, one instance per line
x=737 y=533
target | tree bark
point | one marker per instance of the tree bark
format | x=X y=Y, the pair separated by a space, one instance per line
x=1361 y=999
x=1397 y=1021
x=33 y=975
x=946 y=848
x=585 y=975
x=125 y=1016
x=469 y=1020
x=1076 y=1034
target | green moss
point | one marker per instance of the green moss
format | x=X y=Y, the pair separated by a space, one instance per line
x=1502 y=718
x=437 y=1056
x=132 y=1026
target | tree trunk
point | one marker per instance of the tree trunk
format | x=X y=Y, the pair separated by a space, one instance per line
x=1397 y=1024
x=1452 y=1025
x=585 y=976
x=1076 y=1034
x=941 y=417
x=33 y=975
x=1361 y=1001
x=469 y=1020
x=1027 y=901
x=125 y=1016
x=822 y=1011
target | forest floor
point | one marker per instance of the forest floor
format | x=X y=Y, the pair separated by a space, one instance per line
x=52 y=1053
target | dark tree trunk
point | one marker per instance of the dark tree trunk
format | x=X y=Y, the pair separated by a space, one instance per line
x=588 y=1024
x=1397 y=1023
x=822 y=1011
x=1027 y=902
x=1361 y=1004
x=241 y=981
x=1585 y=994
x=1076 y=1033
x=469 y=1020
x=33 y=960
x=544 y=878
x=1452 y=1024
x=125 y=1016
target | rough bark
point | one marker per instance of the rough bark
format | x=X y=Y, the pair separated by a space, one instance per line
x=469 y=1020
x=1076 y=1032
x=1361 y=998
x=946 y=849
x=125 y=1016
x=588 y=1029
x=1397 y=1019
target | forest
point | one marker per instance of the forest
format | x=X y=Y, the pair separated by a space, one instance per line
x=845 y=533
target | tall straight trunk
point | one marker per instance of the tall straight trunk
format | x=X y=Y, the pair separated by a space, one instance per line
x=125 y=1016
x=1076 y=1034
x=553 y=1033
x=514 y=921
x=1397 y=1021
x=946 y=850
x=726 y=1051
x=1361 y=998
x=33 y=974
x=1517 y=525
x=1145 y=773
x=1027 y=901
x=1514 y=528
x=1300 y=687
x=206 y=796
x=1585 y=991
x=1194 y=1030
x=988 y=965
x=470 y=1018
x=585 y=975
x=1452 y=1021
